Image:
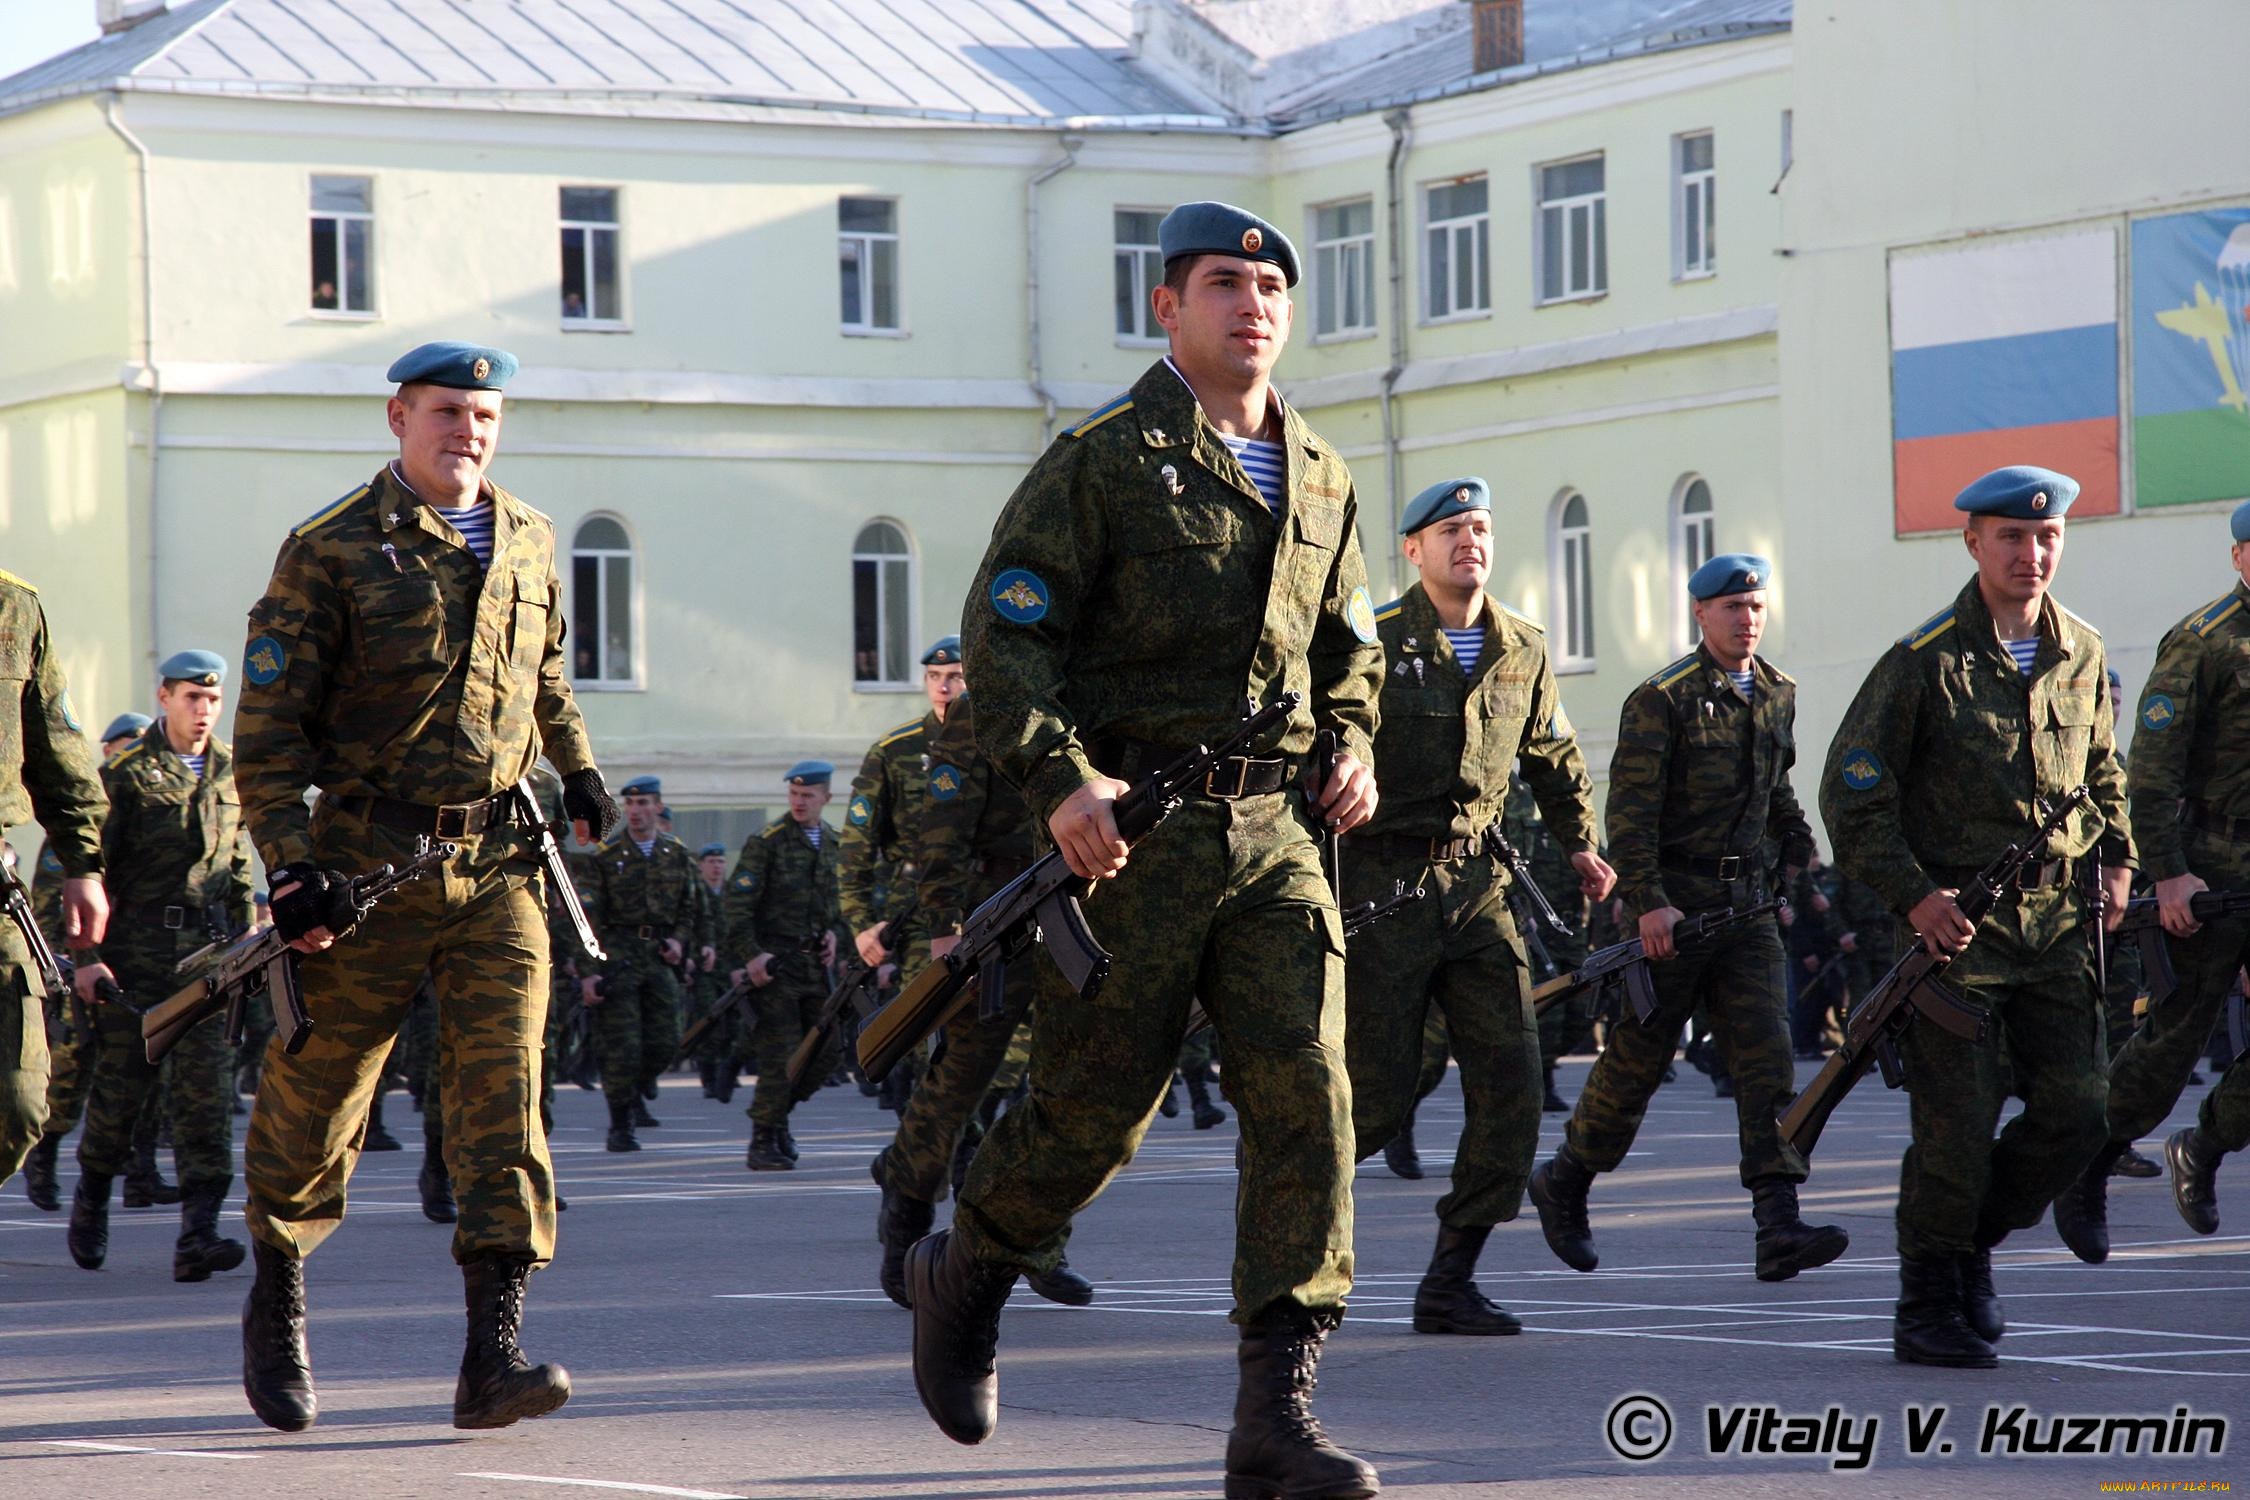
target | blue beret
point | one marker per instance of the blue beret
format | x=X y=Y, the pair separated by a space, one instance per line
x=1730 y=573
x=125 y=724
x=2024 y=491
x=1447 y=498
x=204 y=668
x=946 y=653
x=1222 y=229
x=2242 y=522
x=809 y=773
x=710 y=849
x=464 y=367
x=642 y=786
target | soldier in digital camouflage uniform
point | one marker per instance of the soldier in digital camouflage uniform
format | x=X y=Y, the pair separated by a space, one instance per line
x=406 y=658
x=1141 y=592
x=1468 y=697
x=1700 y=814
x=715 y=1062
x=1962 y=739
x=1565 y=1025
x=2191 y=819
x=2124 y=986
x=177 y=872
x=780 y=926
x=643 y=892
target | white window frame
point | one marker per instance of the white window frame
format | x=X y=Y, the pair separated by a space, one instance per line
x=615 y=228
x=1694 y=543
x=1596 y=205
x=1148 y=263
x=1570 y=578
x=910 y=678
x=1694 y=207
x=1477 y=228
x=367 y=314
x=636 y=587
x=1335 y=261
x=867 y=240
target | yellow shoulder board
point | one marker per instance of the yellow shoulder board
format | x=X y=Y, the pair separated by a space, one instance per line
x=1390 y=610
x=326 y=514
x=138 y=747
x=777 y=828
x=902 y=731
x=1929 y=630
x=21 y=583
x=2215 y=614
x=1673 y=673
x=1099 y=415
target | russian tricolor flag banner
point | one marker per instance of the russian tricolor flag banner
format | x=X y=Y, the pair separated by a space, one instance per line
x=2003 y=353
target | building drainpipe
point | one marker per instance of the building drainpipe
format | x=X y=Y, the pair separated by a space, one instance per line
x=1402 y=134
x=1062 y=164
x=155 y=376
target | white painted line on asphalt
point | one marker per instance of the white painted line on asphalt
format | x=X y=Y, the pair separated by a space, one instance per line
x=129 y=1448
x=613 y=1484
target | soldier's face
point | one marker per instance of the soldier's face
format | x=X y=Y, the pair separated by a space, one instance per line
x=714 y=868
x=1230 y=321
x=1734 y=625
x=1455 y=553
x=805 y=802
x=640 y=813
x=446 y=438
x=2016 y=560
x=943 y=684
x=190 y=710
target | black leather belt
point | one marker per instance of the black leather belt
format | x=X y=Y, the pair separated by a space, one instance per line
x=1437 y=851
x=454 y=822
x=2200 y=819
x=2032 y=877
x=1231 y=780
x=157 y=914
x=1725 y=867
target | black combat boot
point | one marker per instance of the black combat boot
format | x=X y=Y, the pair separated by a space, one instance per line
x=786 y=1141
x=2082 y=1209
x=903 y=1220
x=1169 y=1105
x=707 y=1074
x=723 y=1080
x=1448 y=1301
x=643 y=1119
x=145 y=1186
x=957 y=1300
x=202 y=1250
x=2195 y=1178
x=765 y=1154
x=378 y=1137
x=1277 y=1450
x=88 y=1236
x=276 y=1367
x=1207 y=1114
x=1722 y=1085
x=1062 y=1285
x=1787 y=1244
x=39 y=1183
x=621 y=1128
x=1400 y=1155
x=498 y=1386
x=1980 y=1303
x=2135 y=1163
x=1551 y=1102
x=1929 y=1328
x=436 y=1184
x=1558 y=1191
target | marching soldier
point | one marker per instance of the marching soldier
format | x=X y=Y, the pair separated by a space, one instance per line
x=1961 y=739
x=1700 y=814
x=2221 y=1126
x=875 y=869
x=715 y=1067
x=1468 y=697
x=406 y=659
x=1566 y=1025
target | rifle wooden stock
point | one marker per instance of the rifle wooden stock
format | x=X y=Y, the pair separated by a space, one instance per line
x=934 y=997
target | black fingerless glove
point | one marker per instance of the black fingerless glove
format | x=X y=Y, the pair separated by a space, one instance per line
x=586 y=800
x=323 y=898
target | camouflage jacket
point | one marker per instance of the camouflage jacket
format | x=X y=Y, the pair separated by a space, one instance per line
x=383 y=661
x=875 y=866
x=626 y=891
x=1948 y=753
x=47 y=894
x=1450 y=741
x=1700 y=774
x=1136 y=585
x=46 y=768
x=782 y=891
x=1860 y=912
x=973 y=816
x=172 y=838
x=2191 y=743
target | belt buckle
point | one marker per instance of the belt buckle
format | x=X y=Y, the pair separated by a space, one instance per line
x=175 y=917
x=1730 y=867
x=1241 y=764
x=453 y=822
x=2033 y=877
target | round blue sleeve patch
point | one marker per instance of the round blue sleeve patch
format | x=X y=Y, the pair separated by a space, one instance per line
x=265 y=660
x=1361 y=613
x=69 y=715
x=2159 y=712
x=1862 y=769
x=1020 y=596
x=945 y=782
x=859 y=811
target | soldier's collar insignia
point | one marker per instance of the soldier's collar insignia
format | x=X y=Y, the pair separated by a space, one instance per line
x=1171 y=478
x=1360 y=611
x=2159 y=712
x=1020 y=596
x=1862 y=769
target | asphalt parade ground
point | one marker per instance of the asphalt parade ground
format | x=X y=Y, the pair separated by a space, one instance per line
x=727 y=1337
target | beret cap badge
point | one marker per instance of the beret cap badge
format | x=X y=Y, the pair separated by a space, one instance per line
x=2039 y=501
x=1252 y=240
x=482 y=368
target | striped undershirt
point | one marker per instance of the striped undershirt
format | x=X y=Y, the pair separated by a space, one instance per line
x=646 y=846
x=1468 y=646
x=474 y=522
x=1742 y=682
x=1262 y=461
x=812 y=833
x=195 y=764
x=2023 y=652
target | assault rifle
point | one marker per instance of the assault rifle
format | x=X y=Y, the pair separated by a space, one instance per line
x=1628 y=962
x=737 y=996
x=1355 y=917
x=1911 y=987
x=261 y=962
x=2144 y=926
x=16 y=901
x=852 y=998
x=526 y=805
x=1042 y=905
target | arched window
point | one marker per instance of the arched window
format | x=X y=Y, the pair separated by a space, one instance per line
x=601 y=605
x=882 y=607
x=1692 y=547
x=1571 y=566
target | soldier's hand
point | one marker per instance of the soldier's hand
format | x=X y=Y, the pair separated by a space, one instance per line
x=2117 y=886
x=1656 y=931
x=590 y=989
x=1595 y=878
x=1351 y=796
x=1944 y=928
x=587 y=803
x=828 y=949
x=2172 y=908
x=309 y=940
x=85 y=911
x=1085 y=828
x=869 y=942
x=941 y=946
x=673 y=951
x=1849 y=942
x=710 y=957
x=760 y=972
x=87 y=979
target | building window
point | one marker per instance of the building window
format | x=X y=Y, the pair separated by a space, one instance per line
x=1695 y=213
x=1140 y=270
x=601 y=604
x=867 y=256
x=1573 y=230
x=1344 y=269
x=1457 y=249
x=1691 y=548
x=590 y=281
x=343 y=244
x=882 y=607
x=1571 y=564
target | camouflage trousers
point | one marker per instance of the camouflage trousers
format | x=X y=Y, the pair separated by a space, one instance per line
x=1456 y=951
x=1437 y=1051
x=919 y=1160
x=2152 y=1068
x=1195 y=1054
x=71 y=1050
x=1738 y=988
x=563 y=1041
x=196 y=1082
x=636 y=1025
x=479 y=929
x=23 y=1054
x=787 y=1009
x=2225 y=1114
x=413 y=1059
x=1225 y=902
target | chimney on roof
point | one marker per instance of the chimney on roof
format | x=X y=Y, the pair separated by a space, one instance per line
x=124 y=15
x=1497 y=28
